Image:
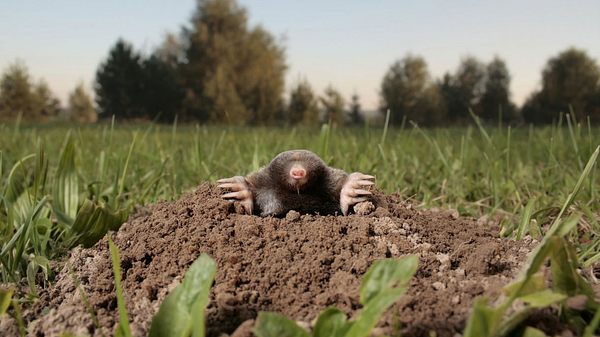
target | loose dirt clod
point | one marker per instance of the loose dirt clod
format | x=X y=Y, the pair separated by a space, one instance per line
x=296 y=265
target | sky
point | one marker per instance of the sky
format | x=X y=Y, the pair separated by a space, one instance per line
x=347 y=44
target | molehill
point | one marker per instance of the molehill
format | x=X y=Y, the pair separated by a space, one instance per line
x=296 y=265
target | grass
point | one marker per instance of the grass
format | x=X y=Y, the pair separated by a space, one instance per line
x=496 y=172
x=61 y=186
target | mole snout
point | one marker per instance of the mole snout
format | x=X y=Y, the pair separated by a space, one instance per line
x=297 y=172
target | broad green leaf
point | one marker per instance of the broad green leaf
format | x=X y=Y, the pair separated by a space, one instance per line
x=5 y=298
x=386 y=274
x=533 y=284
x=543 y=298
x=275 y=325
x=483 y=320
x=123 y=329
x=65 y=190
x=332 y=322
x=564 y=265
x=182 y=311
x=92 y=223
x=19 y=210
x=172 y=319
x=43 y=230
x=535 y=261
x=372 y=311
x=196 y=291
x=40 y=175
x=15 y=179
x=20 y=242
x=514 y=321
x=32 y=269
x=568 y=225
x=533 y=332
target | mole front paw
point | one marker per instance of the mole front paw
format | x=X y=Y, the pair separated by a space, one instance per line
x=239 y=191
x=353 y=190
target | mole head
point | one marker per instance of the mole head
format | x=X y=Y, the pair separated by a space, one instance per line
x=297 y=170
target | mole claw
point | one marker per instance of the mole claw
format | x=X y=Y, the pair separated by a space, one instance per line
x=363 y=183
x=233 y=186
x=362 y=192
x=232 y=180
x=240 y=195
x=231 y=195
x=355 y=190
x=247 y=205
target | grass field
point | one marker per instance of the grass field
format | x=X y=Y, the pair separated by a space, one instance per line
x=521 y=175
x=497 y=170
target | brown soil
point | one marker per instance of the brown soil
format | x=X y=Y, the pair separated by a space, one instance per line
x=296 y=265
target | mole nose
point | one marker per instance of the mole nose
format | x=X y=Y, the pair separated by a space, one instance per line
x=297 y=172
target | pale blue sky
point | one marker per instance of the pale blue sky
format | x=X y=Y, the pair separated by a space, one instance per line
x=349 y=44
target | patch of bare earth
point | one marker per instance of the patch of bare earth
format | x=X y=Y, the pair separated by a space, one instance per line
x=297 y=265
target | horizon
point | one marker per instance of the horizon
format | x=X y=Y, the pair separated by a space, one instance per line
x=345 y=44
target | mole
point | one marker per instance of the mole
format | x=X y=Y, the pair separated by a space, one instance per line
x=297 y=180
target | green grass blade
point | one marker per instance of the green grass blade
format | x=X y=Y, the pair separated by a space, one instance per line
x=385 y=128
x=324 y=141
x=123 y=329
x=126 y=166
x=525 y=220
x=484 y=133
x=570 y=121
x=593 y=326
x=586 y=171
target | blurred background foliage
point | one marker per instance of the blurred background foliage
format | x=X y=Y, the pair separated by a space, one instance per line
x=218 y=69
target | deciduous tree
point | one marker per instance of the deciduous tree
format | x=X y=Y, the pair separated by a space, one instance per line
x=569 y=80
x=333 y=106
x=464 y=90
x=355 y=115
x=303 y=106
x=16 y=95
x=81 y=107
x=232 y=74
x=408 y=92
x=495 y=102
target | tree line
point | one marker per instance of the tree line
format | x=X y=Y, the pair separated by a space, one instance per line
x=570 y=84
x=21 y=98
x=221 y=70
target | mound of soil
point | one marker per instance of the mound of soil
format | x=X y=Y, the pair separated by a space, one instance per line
x=296 y=265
